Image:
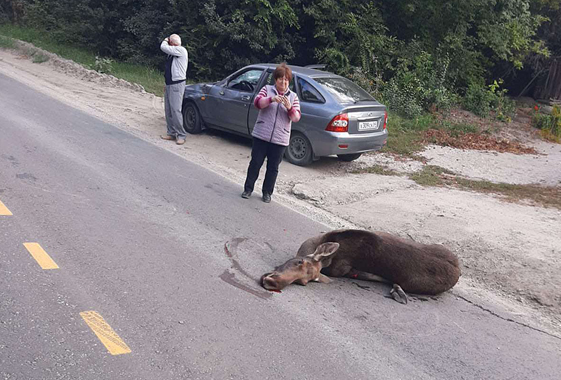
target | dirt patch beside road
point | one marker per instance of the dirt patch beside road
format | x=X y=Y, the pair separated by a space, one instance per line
x=510 y=252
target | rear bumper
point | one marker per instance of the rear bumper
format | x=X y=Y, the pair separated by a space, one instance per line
x=332 y=143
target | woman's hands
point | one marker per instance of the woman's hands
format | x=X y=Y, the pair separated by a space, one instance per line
x=283 y=100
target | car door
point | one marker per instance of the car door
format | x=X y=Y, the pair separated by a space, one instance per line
x=253 y=111
x=231 y=102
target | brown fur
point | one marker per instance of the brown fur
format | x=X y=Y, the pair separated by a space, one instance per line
x=417 y=268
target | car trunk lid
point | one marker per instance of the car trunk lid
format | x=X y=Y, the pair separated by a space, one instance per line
x=366 y=118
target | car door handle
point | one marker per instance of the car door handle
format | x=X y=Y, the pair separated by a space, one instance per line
x=246 y=97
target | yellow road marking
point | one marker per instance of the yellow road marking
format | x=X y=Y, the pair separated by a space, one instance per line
x=105 y=333
x=4 y=210
x=39 y=254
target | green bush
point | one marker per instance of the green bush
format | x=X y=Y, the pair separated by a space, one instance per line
x=550 y=125
x=103 y=65
x=419 y=85
x=482 y=101
x=39 y=58
x=402 y=98
x=477 y=100
x=6 y=42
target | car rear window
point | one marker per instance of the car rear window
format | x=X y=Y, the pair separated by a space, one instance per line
x=308 y=93
x=344 y=90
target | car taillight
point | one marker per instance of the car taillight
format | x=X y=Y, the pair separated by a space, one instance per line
x=385 y=119
x=339 y=123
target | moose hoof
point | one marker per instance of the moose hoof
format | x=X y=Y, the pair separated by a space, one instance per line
x=398 y=294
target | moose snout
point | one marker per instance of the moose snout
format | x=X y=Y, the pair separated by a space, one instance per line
x=270 y=281
x=263 y=277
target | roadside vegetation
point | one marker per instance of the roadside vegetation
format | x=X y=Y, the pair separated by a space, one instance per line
x=548 y=124
x=149 y=77
x=415 y=56
x=547 y=196
x=435 y=176
x=6 y=42
x=420 y=58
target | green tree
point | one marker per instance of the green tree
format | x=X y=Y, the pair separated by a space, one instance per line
x=348 y=34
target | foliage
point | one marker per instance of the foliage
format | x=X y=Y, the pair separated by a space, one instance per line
x=11 y=11
x=482 y=101
x=431 y=175
x=475 y=34
x=349 y=34
x=549 y=125
x=259 y=28
x=6 y=42
x=97 y=24
x=508 y=31
x=39 y=58
x=419 y=84
x=504 y=107
x=376 y=169
x=148 y=77
x=417 y=54
x=103 y=65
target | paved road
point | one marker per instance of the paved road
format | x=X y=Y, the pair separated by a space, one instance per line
x=157 y=261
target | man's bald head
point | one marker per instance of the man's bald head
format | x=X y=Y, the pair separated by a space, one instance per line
x=175 y=40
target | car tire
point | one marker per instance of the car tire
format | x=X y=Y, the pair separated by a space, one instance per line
x=299 y=151
x=349 y=157
x=192 y=119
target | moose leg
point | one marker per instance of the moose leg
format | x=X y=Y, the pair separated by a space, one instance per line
x=359 y=275
x=398 y=294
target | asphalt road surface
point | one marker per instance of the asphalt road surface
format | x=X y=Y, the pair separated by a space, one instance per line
x=154 y=268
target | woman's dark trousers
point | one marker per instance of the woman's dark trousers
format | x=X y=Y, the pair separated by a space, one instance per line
x=260 y=150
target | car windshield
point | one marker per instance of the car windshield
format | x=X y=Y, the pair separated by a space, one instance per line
x=344 y=90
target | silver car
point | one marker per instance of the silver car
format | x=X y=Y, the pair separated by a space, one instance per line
x=338 y=117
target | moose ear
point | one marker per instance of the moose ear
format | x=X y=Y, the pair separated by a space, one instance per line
x=325 y=250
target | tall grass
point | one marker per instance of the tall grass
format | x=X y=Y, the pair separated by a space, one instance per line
x=6 y=42
x=151 y=79
x=405 y=135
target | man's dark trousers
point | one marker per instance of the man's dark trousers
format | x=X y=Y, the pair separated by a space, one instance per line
x=260 y=150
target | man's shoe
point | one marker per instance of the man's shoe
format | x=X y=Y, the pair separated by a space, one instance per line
x=167 y=137
x=267 y=198
x=180 y=141
x=246 y=194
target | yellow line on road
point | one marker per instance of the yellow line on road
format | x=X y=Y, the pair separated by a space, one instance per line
x=4 y=210
x=105 y=333
x=39 y=254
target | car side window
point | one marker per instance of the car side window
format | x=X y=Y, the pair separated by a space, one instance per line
x=246 y=81
x=309 y=93
x=271 y=81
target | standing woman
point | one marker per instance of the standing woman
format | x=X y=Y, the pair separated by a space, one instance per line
x=278 y=108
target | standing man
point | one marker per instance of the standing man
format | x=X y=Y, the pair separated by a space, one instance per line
x=175 y=75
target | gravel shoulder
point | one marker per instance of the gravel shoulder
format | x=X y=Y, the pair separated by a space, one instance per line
x=510 y=252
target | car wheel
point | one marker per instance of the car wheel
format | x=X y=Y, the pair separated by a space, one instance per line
x=349 y=157
x=191 y=118
x=299 y=150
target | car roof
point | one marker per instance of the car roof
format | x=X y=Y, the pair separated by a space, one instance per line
x=312 y=73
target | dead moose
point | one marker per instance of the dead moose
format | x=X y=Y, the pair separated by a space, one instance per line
x=411 y=267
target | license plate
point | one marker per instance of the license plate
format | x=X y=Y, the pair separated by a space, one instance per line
x=367 y=125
